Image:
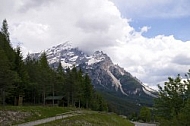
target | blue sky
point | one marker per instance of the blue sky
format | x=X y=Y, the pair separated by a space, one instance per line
x=167 y=17
x=178 y=27
x=148 y=38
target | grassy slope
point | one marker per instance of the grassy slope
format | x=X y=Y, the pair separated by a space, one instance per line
x=91 y=119
x=35 y=112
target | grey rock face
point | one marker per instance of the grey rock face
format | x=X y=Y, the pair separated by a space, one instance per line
x=104 y=74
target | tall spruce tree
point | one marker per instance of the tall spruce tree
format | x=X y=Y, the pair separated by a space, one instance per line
x=4 y=30
x=80 y=87
x=5 y=44
x=32 y=92
x=20 y=85
x=9 y=57
x=88 y=90
x=44 y=76
x=7 y=76
x=59 y=80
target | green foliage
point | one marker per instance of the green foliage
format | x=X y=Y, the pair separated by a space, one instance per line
x=34 y=79
x=119 y=104
x=91 y=118
x=172 y=105
x=44 y=80
x=184 y=115
x=4 y=30
x=145 y=114
x=22 y=80
x=79 y=91
x=7 y=76
x=34 y=112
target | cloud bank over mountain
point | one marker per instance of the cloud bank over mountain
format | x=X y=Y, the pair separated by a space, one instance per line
x=96 y=25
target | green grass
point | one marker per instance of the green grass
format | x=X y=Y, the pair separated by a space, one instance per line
x=36 y=112
x=92 y=119
x=86 y=118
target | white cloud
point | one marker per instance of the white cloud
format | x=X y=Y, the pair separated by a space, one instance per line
x=153 y=60
x=97 y=25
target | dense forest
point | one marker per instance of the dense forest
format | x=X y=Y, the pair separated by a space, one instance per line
x=30 y=81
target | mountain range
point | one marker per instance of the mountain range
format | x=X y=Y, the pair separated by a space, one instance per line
x=119 y=87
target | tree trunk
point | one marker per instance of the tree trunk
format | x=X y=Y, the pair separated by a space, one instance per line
x=87 y=104
x=72 y=100
x=44 y=100
x=3 y=97
x=15 y=101
x=79 y=103
x=68 y=100
x=53 y=94
x=34 y=100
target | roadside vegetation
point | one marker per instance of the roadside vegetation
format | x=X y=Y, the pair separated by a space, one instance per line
x=173 y=104
x=171 y=107
x=21 y=114
x=91 y=118
x=11 y=115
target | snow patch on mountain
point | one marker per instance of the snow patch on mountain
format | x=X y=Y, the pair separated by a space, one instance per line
x=66 y=65
x=98 y=56
x=98 y=65
x=74 y=58
x=116 y=82
x=92 y=61
x=148 y=90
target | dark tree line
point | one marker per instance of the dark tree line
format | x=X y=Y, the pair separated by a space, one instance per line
x=30 y=81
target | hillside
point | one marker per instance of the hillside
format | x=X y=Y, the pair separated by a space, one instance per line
x=10 y=115
x=91 y=119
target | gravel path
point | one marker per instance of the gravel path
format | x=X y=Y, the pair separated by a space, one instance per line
x=41 y=121
x=143 y=124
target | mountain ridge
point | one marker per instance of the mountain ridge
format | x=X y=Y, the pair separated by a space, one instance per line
x=106 y=77
x=71 y=56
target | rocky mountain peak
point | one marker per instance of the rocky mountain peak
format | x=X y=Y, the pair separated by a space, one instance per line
x=104 y=74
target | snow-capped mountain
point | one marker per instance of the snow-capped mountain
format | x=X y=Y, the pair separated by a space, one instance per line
x=104 y=74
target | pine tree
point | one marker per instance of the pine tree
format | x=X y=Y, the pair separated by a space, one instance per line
x=75 y=85
x=9 y=53
x=5 y=45
x=7 y=77
x=60 y=69
x=80 y=87
x=171 y=100
x=88 y=90
x=59 y=80
x=4 y=30
x=44 y=76
x=23 y=77
x=67 y=86
x=32 y=92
